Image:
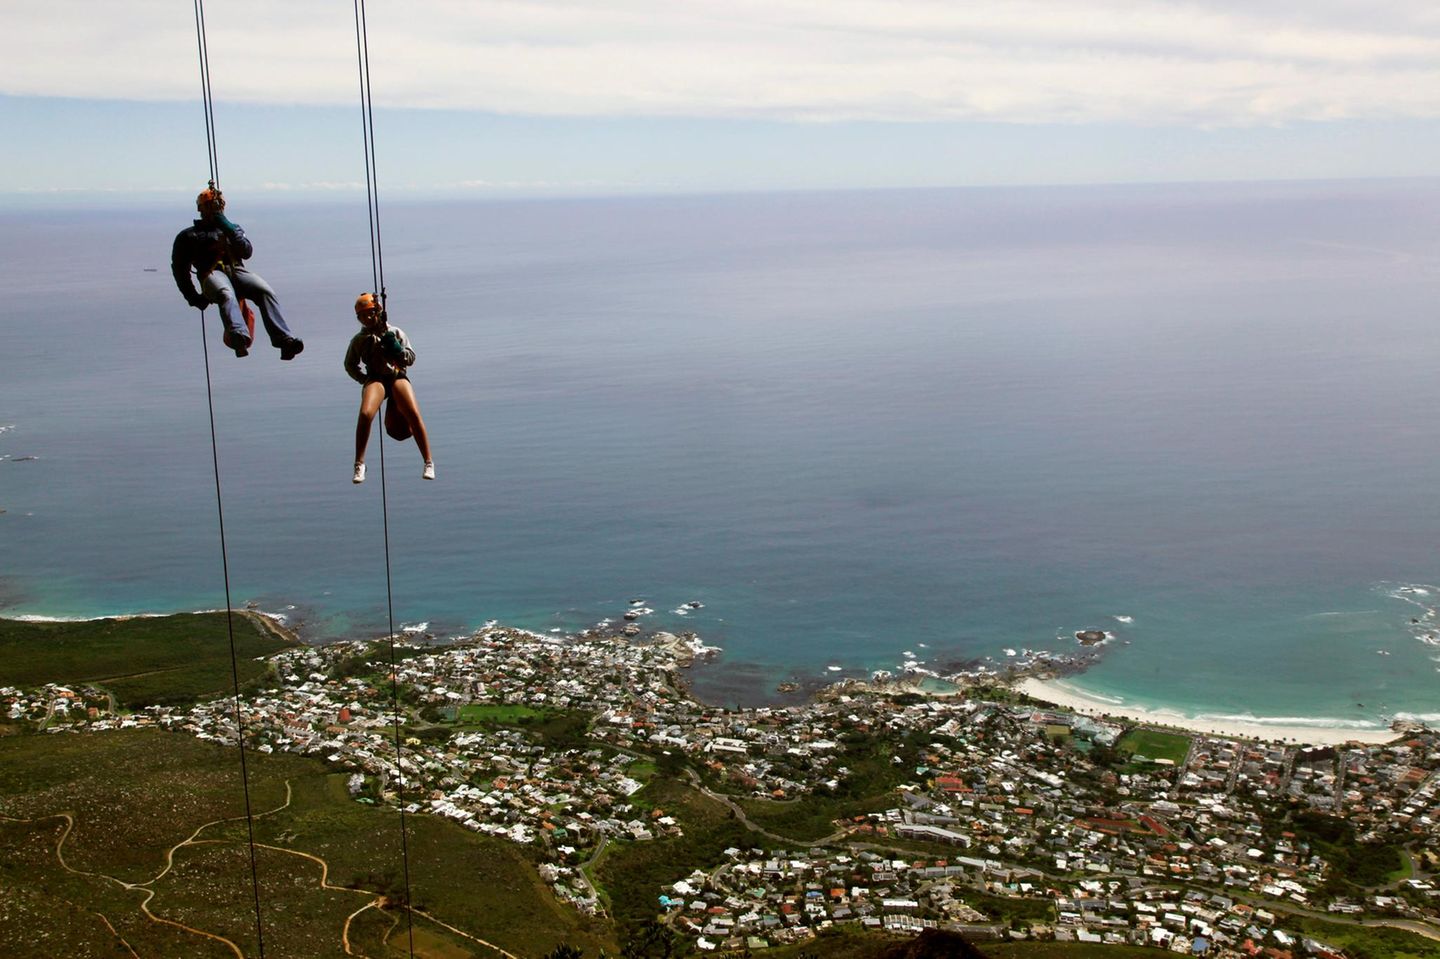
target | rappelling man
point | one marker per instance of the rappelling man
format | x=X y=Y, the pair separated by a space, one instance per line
x=216 y=250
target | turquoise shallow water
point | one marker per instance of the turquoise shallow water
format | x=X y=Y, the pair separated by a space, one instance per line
x=852 y=425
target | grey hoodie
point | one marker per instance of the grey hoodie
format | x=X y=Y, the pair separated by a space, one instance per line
x=365 y=348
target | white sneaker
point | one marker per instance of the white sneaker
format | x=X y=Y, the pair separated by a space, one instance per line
x=429 y=471
x=359 y=473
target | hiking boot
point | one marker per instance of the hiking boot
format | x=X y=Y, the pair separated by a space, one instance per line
x=359 y=476
x=429 y=471
x=291 y=348
x=237 y=342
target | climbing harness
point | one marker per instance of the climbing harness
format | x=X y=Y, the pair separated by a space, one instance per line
x=377 y=276
x=219 y=499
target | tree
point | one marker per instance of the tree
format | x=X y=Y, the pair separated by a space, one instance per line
x=565 y=951
x=1105 y=756
x=651 y=940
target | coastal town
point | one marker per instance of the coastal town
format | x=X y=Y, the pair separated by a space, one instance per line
x=981 y=811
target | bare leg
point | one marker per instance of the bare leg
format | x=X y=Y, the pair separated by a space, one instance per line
x=370 y=398
x=403 y=396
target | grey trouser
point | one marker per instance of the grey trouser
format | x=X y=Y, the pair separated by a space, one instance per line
x=219 y=289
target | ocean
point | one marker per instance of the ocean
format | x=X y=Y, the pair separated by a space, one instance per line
x=854 y=426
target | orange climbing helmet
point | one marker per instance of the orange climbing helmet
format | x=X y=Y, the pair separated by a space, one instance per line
x=368 y=308
x=210 y=200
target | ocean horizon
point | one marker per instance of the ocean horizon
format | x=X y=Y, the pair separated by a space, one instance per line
x=862 y=430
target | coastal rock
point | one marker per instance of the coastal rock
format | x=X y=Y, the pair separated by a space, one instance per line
x=1091 y=637
x=686 y=648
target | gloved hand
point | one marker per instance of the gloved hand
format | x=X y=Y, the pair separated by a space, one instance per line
x=225 y=224
x=390 y=345
x=199 y=302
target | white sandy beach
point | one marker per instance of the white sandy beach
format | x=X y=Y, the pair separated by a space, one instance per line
x=1062 y=694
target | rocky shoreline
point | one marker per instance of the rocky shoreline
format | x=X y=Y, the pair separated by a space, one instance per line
x=1037 y=675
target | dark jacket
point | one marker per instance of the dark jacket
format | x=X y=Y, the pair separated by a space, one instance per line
x=202 y=247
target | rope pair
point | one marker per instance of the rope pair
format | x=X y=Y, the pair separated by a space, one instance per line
x=377 y=267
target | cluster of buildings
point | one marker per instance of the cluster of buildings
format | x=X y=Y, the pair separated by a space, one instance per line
x=1042 y=808
x=1179 y=856
x=760 y=898
x=54 y=703
x=1110 y=838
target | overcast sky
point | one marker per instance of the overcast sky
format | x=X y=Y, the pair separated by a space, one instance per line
x=547 y=96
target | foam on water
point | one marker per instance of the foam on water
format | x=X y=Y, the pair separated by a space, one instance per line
x=1091 y=694
x=39 y=618
x=1318 y=722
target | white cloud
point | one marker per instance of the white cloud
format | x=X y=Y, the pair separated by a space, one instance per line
x=322 y=186
x=1203 y=63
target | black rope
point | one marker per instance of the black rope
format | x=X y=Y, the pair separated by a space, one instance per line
x=230 y=628
x=206 y=96
x=367 y=136
x=395 y=697
x=377 y=276
x=208 y=101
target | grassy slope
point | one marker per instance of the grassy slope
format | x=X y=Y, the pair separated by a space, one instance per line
x=1006 y=908
x=164 y=659
x=136 y=793
x=870 y=786
x=1370 y=942
x=46 y=912
x=632 y=873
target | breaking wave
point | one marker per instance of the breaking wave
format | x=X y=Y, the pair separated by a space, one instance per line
x=1318 y=722
x=1419 y=717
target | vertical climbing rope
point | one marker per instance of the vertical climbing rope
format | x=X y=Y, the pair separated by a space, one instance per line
x=367 y=120
x=377 y=276
x=208 y=100
x=234 y=662
x=204 y=49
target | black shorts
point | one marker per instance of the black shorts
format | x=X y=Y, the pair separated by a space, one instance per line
x=385 y=381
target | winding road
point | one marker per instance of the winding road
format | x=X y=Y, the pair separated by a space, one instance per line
x=375 y=901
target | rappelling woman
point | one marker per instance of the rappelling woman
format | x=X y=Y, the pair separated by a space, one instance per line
x=384 y=353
